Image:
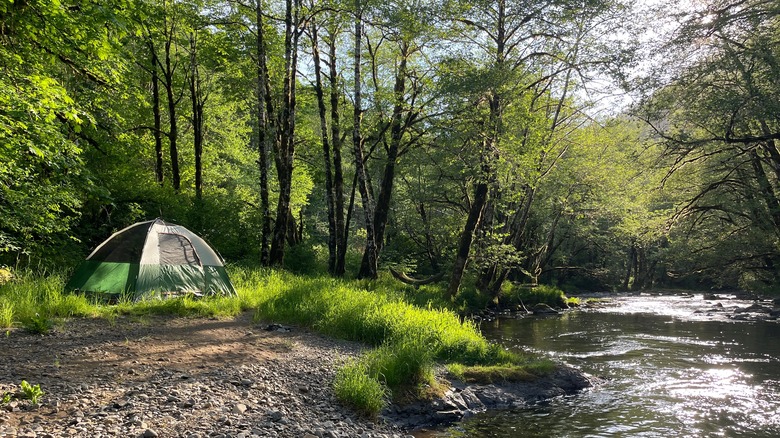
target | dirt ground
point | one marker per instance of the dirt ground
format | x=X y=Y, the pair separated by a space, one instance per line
x=106 y=359
x=92 y=350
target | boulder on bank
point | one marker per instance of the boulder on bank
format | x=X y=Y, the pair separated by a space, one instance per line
x=754 y=308
x=463 y=400
x=755 y=312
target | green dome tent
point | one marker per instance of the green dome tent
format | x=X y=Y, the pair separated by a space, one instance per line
x=152 y=259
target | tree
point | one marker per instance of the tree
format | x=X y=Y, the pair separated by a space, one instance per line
x=717 y=116
x=331 y=141
x=528 y=48
x=47 y=50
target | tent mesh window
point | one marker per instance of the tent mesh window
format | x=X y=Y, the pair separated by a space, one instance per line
x=177 y=250
x=124 y=248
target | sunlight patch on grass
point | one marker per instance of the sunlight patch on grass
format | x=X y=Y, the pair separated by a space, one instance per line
x=486 y=374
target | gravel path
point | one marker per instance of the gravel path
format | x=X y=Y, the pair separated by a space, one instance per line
x=177 y=377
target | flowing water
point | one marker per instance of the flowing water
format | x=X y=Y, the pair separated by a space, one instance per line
x=669 y=371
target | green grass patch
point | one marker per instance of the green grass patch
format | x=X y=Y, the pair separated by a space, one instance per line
x=6 y=313
x=347 y=311
x=529 y=296
x=486 y=374
x=355 y=387
x=29 y=299
x=409 y=339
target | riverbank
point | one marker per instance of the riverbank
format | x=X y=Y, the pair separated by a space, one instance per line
x=462 y=400
x=168 y=376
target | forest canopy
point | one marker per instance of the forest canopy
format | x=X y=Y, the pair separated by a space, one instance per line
x=468 y=141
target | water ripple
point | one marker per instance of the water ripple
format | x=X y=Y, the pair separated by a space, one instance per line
x=670 y=371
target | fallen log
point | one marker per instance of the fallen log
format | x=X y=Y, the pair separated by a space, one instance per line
x=403 y=278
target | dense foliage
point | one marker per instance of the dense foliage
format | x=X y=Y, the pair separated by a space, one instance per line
x=462 y=139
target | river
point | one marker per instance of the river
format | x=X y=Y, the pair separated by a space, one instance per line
x=669 y=371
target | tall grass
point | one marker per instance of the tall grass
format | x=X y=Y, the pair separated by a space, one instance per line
x=348 y=311
x=31 y=299
x=355 y=387
x=31 y=296
x=409 y=339
x=6 y=313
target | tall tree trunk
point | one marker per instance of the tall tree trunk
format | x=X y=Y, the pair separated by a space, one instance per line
x=338 y=169
x=265 y=135
x=766 y=190
x=294 y=229
x=329 y=194
x=386 y=190
x=770 y=147
x=198 y=102
x=629 y=267
x=286 y=146
x=489 y=145
x=360 y=165
x=158 y=149
x=173 y=132
x=466 y=237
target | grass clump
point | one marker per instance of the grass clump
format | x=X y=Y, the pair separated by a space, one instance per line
x=355 y=386
x=39 y=325
x=6 y=313
x=486 y=374
x=530 y=296
x=409 y=362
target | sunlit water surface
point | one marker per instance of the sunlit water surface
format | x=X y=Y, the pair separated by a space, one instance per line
x=670 y=372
